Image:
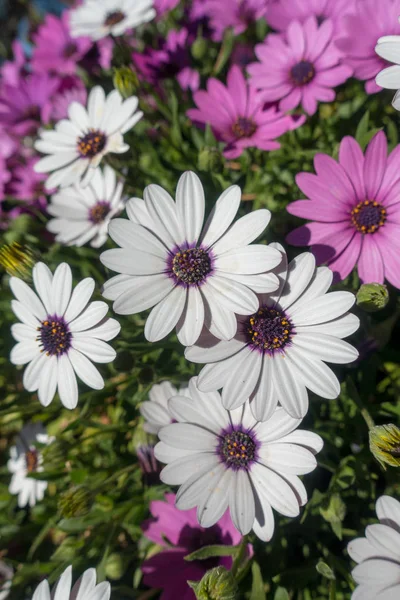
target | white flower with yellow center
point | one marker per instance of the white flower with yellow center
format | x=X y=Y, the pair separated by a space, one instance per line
x=109 y=17
x=77 y=145
x=60 y=333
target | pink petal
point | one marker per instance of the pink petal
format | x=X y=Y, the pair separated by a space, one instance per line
x=344 y=263
x=352 y=160
x=375 y=164
x=295 y=37
x=370 y=264
x=316 y=188
x=318 y=211
x=333 y=173
x=237 y=88
x=313 y=233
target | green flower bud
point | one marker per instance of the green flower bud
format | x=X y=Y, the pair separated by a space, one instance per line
x=17 y=260
x=372 y=297
x=199 y=48
x=115 y=566
x=384 y=443
x=210 y=159
x=125 y=81
x=75 y=502
x=217 y=584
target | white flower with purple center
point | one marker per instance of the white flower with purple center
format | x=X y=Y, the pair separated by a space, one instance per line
x=109 y=17
x=155 y=410
x=227 y=459
x=377 y=573
x=77 y=145
x=60 y=333
x=6 y=575
x=192 y=275
x=26 y=459
x=83 y=214
x=279 y=351
x=84 y=589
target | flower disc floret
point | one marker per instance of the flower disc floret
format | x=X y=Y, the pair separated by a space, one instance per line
x=269 y=329
x=54 y=336
x=99 y=212
x=114 y=18
x=368 y=216
x=244 y=127
x=191 y=266
x=32 y=460
x=237 y=449
x=92 y=143
x=302 y=73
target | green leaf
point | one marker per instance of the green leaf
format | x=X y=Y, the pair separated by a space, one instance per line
x=210 y=551
x=281 y=594
x=362 y=127
x=325 y=570
x=257 y=588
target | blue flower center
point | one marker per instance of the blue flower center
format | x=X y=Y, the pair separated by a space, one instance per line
x=54 y=336
x=302 y=73
x=268 y=330
x=368 y=216
x=191 y=266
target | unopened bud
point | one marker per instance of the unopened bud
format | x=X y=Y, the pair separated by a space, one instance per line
x=210 y=159
x=75 y=502
x=217 y=584
x=384 y=443
x=125 y=81
x=372 y=297
x=199 y=48
x=17 y=260
x=115 y=566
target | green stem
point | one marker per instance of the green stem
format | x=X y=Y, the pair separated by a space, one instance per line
x=237 y=563
x=114 y=476
x=353 y=392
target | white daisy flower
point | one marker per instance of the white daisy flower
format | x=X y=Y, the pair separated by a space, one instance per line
x=388 y=47
x=109 y=17
x=83 y=214
x=191 y=275
x=227 y=459
x=60 y=334
x=26 y=458
x=378 y=555
x=6 y=575
x=279 y=351
x=77 y=145
x=155 y=410
x=84 y=589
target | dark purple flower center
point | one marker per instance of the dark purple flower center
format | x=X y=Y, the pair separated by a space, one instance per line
x=302 y=73
x=191 y=266
x=99 y=211
x=54 y=336
x=244 y=127
x=32 y=112
x=114 y=18
x=70 y=50
x=368 y=216
x=91 y=144
x=237 y=449
x=32 y=460
x=269 y=329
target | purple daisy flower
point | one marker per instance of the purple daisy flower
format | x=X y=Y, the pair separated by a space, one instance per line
x=355 y=211
x=168 y=569
x=238 y=116
x=71 y=89
x=369 y=21
x=28 y=186
x=281 y=13
x=301 y=66
x=238 y=14
x=11 y=71
x=55 y=50
x=25 y=107
x=164 y=6
x=172 y=60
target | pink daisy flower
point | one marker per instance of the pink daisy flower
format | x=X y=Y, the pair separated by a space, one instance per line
x=11 y=71
x=238 y=116
x=71 y=89
x=355 y=211
x=370 y=20
x=28 y=186
x=55 y=50
x=164 y=6
x=168 y=569
x=299 y=67
x=238 y=14
x=281 y=12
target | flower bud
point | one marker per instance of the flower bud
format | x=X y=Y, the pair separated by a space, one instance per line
x=75 y=502
x=217 y=584
x=199 y=48
x=17 y=261
x=125 y=81
x=115 y=566
x=372 y=297
x=210 y=159
x=384 y=443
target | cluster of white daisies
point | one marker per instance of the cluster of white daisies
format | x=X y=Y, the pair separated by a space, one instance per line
x=262 y=327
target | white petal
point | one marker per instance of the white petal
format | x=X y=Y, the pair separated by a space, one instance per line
x=24 y=352
x=360 y=549
x=264 y=523
x=325 y=347
x=199 y=487
x=85 y=584
x=132 y=262
x=167 y=454
x=106 y=331
x=85 y=370
x=325 y=308
x=132 y=236
x=388 y=511
x=162 y=209
x=143 y=293
x=53 y=162
x=27 y=297
x=392 y=593
x=182 y=469
x=215 y=352
x=42 y=279
x=221 y=322
x=215 y=376
x=78 y=115
x=117 y=285
x=315 y=374
x=32 y=372
x=61 y=288
x=24 y=314
x=190 y=204
x=375 y=571
x=263 y=399
x=308 y=439
x=289 y=388
x=299 y=274
x=91 y=316
x=67 y=385
x=79 y=299
x=95 y=106
x=233 y=295
x=48 y=381
x=63 y=586
x=214 y=504
x=248 y=260
x=96 y=350
x=340 y=327
x=222 y=215
x=388 y=47
x=287 y=458
x=192 y=319
x=188 y=436
x=165 y=315
x=389 y=78
x=42 y=592
x=275 y=490
x=262 y=283
x=241 y=502
x=188 y=410
x=278 y=426
x=240 y=386
x=23 y=333
x=385 y=539
x=318 y=286
x=245 y=230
